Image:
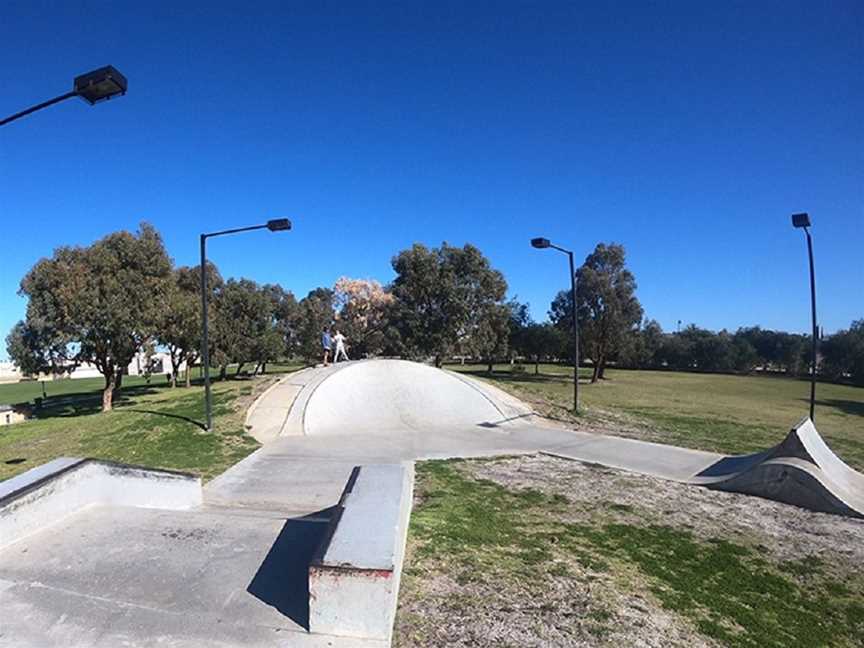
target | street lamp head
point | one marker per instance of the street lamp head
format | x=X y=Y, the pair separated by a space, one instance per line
x=279 y=224
x=801 y=220
x=100 y=85
x=540 y=243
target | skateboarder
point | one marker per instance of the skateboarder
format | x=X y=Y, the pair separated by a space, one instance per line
x=327 y=344
x=339 y=339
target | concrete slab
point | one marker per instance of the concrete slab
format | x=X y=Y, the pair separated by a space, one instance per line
x=225 y=573
x=26 y=479
x=216 y=577
x=46 y=494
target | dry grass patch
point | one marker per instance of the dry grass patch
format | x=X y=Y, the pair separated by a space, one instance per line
x=538 y=551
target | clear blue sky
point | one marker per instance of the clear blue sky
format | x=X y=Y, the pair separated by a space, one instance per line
x=688 y=131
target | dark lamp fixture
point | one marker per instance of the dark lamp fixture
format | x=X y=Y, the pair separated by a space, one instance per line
x=540 y=243
x=801 y=220
x=279 y=224
x=100 y=85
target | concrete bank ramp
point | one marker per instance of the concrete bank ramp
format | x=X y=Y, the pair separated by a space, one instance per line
x=48 y=493
x=802 y=470
x=391 y=395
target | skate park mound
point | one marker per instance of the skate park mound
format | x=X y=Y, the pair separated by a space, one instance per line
x=802 y=470
x=391 y=395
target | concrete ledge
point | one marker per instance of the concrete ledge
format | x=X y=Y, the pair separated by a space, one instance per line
x=46 y=494
x=354 y=576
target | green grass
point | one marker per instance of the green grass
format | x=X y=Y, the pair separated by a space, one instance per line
x=151 y=425
x=720 y=413
x=28 y=390
x=728 y=591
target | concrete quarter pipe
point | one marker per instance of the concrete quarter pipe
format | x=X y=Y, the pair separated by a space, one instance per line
x=801 y=470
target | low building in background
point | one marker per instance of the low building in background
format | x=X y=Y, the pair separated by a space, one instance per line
x=142 y=364
x=17 y=413
x=9 y=372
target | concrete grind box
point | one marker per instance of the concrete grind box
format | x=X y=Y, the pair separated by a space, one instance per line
x=354 y=577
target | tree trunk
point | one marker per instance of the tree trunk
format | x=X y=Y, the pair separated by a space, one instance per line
x=223 y=372
x=108 y=392
x=174 y=372
x=536 y=365
x=489 y=367
x=118 y=381
x=438 y=361
x=188 y=374
x=595 y=376
x=601 y=369
x=239 y=367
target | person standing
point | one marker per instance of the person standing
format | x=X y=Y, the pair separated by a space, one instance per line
x=339 y=339
x=327 y=344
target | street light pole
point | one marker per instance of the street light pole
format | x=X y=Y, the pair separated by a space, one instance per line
x=575 y=334
x=93 y=87
x=542 y=243
x=802 y=221
x=276 y=225
x=205 y=341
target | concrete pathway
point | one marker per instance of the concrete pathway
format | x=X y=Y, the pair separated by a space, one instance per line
x=233 y=571
x=392 y=410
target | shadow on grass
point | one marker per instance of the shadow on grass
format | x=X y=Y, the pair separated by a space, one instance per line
x=854 y=408
x=180 y=417
x=507 y=376
x=83 y=403
x=282 y=580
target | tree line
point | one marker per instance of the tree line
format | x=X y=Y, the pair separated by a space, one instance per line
x=104 y=303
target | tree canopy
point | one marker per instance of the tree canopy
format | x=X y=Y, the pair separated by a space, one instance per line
x=606 y=305
x=102 y=304
x=314 y=313
x=363 y=314
x=445 y=297
x=98 y=304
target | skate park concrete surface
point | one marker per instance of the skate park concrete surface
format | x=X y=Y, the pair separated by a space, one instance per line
x=239 y=568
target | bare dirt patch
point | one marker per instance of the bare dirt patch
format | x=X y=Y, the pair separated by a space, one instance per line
x=785 y=532
x=542 y=551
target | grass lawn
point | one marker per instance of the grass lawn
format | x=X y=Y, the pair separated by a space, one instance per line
x=518 y=552
x=151 y=425
x=28 y=390
x=720 y=413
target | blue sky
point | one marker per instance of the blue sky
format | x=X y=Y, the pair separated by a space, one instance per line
x=687 y=131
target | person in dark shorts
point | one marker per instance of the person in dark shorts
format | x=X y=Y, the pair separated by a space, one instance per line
x=326 y=343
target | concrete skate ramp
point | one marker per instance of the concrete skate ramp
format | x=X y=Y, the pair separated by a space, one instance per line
x=391 y=395
x=802 y=470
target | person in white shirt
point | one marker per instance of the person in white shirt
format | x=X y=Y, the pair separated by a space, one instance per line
x=339 y=340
